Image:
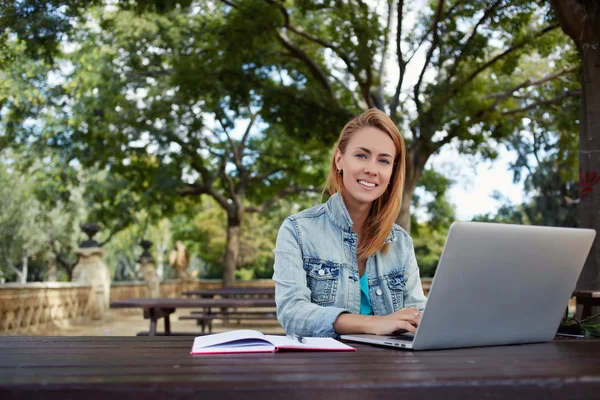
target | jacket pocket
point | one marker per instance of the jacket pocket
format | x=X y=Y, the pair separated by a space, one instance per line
x=396 y=285
x=322 y=278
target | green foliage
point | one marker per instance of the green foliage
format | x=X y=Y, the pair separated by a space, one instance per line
x=203 y=231
x=31 y=226
x=430 y=234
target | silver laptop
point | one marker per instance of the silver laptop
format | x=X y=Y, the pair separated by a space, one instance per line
x=497 y=284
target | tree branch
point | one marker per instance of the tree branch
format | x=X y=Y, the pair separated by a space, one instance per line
x=434 y=44
x=502 y=55
x=543 y=102
x=310 y=63
x=242 y=147
x=282 y=193
x=113 y=232
x=386 y=42
x=230 y=3
x=196 y=162
x=461 y=54
x=299 y=31
x=260 y=178
x=401 y=63
x=501 y=96
x=426 y=35
x=11 y=265
x=227 y=178
x=194 y=189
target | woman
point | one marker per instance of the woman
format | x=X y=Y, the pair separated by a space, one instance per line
x=344 y=266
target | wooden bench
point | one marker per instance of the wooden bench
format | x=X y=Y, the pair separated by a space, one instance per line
x=587 y=299
x=157 y=308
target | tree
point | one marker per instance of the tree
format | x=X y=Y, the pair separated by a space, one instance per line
x=471 y=88
x=580 y=20
x=20 y=237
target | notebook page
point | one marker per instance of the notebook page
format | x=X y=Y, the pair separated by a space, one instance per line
x=238 y=338
x=312 y=343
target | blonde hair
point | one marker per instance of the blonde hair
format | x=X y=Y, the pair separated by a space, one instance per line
x=386 y=208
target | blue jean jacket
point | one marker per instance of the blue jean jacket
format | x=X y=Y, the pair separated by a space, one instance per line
x=316 y=271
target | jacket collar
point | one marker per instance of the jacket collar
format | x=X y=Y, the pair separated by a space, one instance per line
x=339 y=213
x=341 y=217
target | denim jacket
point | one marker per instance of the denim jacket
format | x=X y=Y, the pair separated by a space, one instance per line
x=316 y=271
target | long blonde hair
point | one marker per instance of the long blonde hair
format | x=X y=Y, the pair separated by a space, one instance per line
x=386 y=208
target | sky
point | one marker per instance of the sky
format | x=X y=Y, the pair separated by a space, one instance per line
x=476 y=181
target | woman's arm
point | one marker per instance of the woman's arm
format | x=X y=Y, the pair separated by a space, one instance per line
x=296 y=313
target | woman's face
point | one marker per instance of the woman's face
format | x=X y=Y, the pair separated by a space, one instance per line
x=367 y=165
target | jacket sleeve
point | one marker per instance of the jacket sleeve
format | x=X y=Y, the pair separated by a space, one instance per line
x=295 y=311
x=413 y=293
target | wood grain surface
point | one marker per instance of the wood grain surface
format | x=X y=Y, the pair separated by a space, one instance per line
x=161 y=367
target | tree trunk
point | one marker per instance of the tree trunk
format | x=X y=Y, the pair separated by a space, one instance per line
x=415 y=164
x=589 y=162
x=23 y=276
x=51 y=270
x=232 y=249
x=581 y=21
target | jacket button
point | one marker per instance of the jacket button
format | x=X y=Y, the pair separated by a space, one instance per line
x=321 y=272
x=379 y=292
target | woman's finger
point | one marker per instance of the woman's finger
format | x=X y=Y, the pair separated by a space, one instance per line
x=408 y=327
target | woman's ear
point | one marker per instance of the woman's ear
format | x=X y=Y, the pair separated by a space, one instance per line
x=338 y=159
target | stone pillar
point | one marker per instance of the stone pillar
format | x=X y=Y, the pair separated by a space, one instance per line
x=90 y=269
x=148 y=268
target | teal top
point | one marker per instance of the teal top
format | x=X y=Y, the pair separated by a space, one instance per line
x=365 y=299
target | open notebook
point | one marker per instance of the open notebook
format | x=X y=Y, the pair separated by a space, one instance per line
x=249 y=341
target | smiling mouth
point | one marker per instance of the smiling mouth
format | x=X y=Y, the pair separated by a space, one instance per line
x=367 y=184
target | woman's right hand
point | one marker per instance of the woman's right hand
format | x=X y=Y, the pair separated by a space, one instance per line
x=401 y=321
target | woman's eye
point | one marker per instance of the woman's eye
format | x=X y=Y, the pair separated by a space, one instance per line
x=384 y=161
x=361 y=155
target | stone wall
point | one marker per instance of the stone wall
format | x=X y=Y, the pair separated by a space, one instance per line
x=28 y=308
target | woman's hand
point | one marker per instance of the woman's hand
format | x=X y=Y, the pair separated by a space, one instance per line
x=401 y=321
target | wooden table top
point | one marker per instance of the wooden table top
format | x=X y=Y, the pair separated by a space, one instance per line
x=233 y=291
x=191 y=303
x=161 y=367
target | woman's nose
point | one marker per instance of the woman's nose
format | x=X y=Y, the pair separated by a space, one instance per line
x=371 y=168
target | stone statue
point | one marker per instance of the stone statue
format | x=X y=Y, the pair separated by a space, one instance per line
x=179 y=259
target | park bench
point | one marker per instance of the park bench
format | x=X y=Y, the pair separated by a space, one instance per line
x=587 y=299
x=157 y=308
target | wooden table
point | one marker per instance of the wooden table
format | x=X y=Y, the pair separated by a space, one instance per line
x=233 y=292
x=156 y=308
x=100 y=368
